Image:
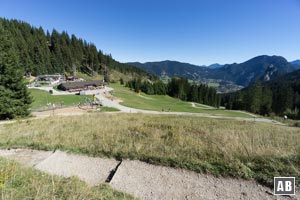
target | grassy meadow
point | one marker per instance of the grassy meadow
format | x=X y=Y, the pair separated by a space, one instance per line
x=211 y=84
x=165 y=102
x=88 y=78
x=221 y=147
x=18 y=183
x=41 y=98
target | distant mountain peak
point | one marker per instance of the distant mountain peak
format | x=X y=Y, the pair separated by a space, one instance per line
x=296 y=64
x=215 y=66
x=296 y=61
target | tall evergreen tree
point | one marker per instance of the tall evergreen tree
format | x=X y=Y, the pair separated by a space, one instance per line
x=252 y=98
x=266 y=101
x=14 y=97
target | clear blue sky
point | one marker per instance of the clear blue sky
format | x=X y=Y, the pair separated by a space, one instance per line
x=195 y=31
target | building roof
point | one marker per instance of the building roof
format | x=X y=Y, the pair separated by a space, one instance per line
x=79 y=85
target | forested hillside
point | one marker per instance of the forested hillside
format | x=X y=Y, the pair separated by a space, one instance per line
x=43 y=52
x=280 y=96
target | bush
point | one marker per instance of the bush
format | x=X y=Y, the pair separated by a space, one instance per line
x=292 y=114
x=121 y=81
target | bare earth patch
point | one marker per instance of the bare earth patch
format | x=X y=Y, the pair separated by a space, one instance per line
x=62 y=112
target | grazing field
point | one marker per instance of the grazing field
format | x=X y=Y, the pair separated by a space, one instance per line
x=18 y=183
x=166 y=103
x=88 y=78
x=41 y=98
x=221 y=147
x=213 y=84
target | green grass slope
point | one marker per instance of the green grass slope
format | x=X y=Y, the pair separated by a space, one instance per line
x=165 y=102
x=41 y=98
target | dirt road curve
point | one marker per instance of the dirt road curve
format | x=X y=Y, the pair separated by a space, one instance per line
x=103 y=95
x=108 y=102
x=141 y=179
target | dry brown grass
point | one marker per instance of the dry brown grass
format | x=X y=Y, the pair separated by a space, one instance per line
x=19 y=183
x=235 y=148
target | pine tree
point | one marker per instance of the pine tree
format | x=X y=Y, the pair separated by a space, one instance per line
x=252 y=98
x=218 y=103
x=106 y=75
x=159 y=88
x=147 y=88
x=121 y=81
x=193 y=95
x=266 y=102
x=14 y=97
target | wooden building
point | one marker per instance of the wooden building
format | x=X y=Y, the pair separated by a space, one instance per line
x=83 y=85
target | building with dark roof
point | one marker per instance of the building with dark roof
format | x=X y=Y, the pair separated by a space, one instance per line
x=83 y=85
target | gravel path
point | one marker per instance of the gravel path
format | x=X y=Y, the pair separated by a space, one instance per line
x=26 y=157
x=155 y=182
x=141 y=179
x=115 y=104
x=91 y=170
x=101 y=95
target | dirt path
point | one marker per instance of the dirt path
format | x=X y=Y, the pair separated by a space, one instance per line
x=61 y=112
x=141 y=179
x=70 y=111
x=115 y=104
x=110 y=101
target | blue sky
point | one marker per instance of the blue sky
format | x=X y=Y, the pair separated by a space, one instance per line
x=194 y=31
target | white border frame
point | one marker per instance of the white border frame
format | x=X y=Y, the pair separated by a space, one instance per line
x=284 y=177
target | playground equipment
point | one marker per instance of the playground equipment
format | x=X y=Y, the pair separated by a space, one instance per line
x=89 y=104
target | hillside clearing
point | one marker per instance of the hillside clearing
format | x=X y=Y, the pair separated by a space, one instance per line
x=88 y=78
x=212 y=84
x=166 y=103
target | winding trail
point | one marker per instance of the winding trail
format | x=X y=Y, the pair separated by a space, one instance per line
x=141 y=179
x=101 y=94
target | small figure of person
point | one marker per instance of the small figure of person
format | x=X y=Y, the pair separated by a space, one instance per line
x=285 y=117
x=94 y=98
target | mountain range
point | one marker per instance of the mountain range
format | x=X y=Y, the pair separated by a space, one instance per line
x=296 y=63
x=171 y=68
x=215 y=66
x=263 y=68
